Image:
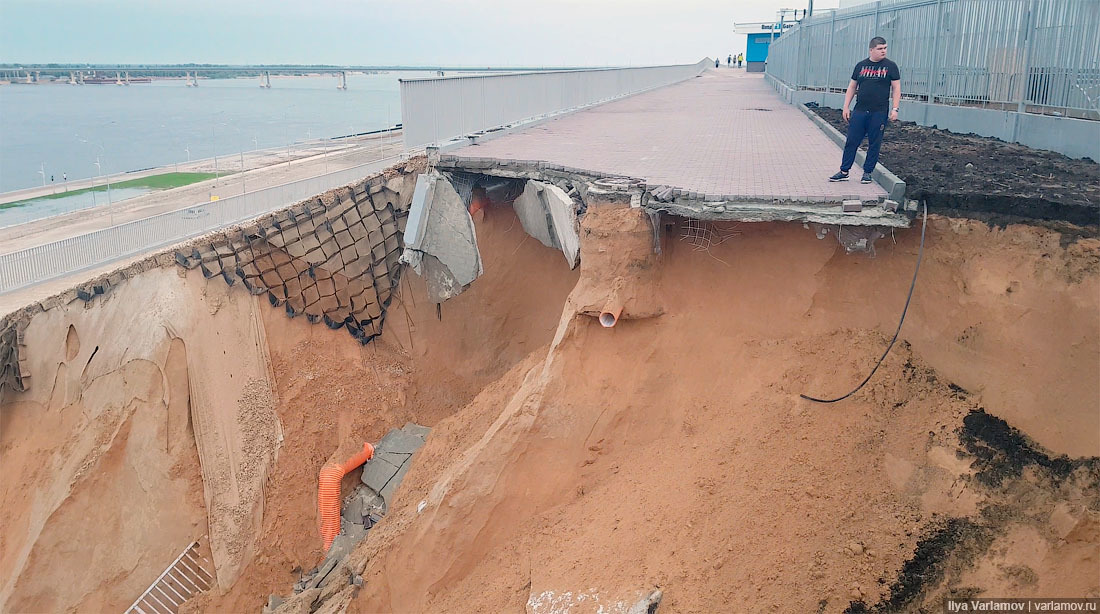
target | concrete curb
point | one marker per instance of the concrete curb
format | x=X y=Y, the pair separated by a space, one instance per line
x=890 y=182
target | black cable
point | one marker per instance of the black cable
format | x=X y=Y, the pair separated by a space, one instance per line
x=920 y=254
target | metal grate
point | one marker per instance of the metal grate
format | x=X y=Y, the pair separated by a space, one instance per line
x=186 y=577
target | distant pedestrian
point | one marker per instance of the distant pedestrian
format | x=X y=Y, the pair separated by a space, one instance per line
x=740 y=58
x=875 y=81
x=716 y=63
x=729 y=61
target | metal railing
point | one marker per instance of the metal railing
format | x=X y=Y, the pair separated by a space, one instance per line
x=1022 y=55
x=48 y=261
x=187 y=576
x=333 y=148
x=435 y=110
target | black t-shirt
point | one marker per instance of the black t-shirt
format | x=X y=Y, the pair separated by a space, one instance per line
x=873 y=79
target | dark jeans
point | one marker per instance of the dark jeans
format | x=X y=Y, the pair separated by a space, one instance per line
x=870 y=124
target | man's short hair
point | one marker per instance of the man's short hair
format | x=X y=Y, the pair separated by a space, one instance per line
x=876 y=41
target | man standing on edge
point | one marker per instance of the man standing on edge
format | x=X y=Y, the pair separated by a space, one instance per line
x=877 y=81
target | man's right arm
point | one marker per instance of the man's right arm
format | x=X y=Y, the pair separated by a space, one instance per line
x=848 y=95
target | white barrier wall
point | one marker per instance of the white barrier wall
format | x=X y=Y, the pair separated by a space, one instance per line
x=438 y=109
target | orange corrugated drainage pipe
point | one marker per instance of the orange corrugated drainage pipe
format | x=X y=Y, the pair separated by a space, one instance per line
x=328 y=492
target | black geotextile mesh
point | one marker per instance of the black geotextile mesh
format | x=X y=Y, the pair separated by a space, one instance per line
x=12 y=374
x=499 y=190
x=335 y=263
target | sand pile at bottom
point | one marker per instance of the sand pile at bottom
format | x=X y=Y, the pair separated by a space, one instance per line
x=674 y=452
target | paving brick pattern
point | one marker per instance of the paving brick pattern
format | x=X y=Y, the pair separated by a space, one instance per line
x=725 y=133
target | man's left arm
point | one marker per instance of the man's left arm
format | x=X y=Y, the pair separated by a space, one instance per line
x=895 y=94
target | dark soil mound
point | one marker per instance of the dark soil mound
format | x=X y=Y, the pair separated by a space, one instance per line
x=978 y=176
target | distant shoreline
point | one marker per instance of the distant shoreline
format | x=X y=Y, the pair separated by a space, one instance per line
x=148 y=78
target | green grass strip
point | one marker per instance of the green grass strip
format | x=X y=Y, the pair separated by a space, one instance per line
x=164 y=181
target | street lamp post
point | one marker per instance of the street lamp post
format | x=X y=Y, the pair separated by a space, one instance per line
x=106 y=178
x=99 y=165
x=214 y=142
x=286 y=132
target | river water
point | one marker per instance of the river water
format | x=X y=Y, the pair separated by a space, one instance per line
x=62 y=129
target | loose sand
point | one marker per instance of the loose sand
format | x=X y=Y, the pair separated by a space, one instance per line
x=573 y=467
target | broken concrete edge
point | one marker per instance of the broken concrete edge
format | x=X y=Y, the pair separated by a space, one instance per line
x=683 y=203
x=13 y=373
x=766 y=212
x=894 y=186
x=440 y=242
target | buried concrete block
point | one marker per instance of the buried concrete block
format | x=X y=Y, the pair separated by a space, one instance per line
x=392 y=459
x=401 y=441
x=377 y=473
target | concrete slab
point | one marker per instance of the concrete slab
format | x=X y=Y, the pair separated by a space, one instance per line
x=391 y=486
x=400 y=441
x=563 y=213
x=415 y=429
x=440 y=242
x=377 y=473
x=393 y=458
x=533 y=215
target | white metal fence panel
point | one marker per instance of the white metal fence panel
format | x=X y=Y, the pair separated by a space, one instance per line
x=438 y=109
x=23 y=214
x=43 y=262
x=1033 y=55
x=190 y=574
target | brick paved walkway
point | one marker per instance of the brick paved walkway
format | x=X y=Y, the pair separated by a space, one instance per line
x=724 y=133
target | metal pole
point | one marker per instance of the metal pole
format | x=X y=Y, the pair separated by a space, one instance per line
x=1028 y=20
x=934 y=67
x=214 y=142
x=829 y=61
x=800 y=70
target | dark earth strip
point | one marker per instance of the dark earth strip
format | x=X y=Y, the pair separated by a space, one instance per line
x=986 y=178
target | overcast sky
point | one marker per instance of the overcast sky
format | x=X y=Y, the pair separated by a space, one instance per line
x=379 y=32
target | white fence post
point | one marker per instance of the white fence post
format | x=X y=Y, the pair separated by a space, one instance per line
x=1029 y=34
x=829 y=62
x=934 y=64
